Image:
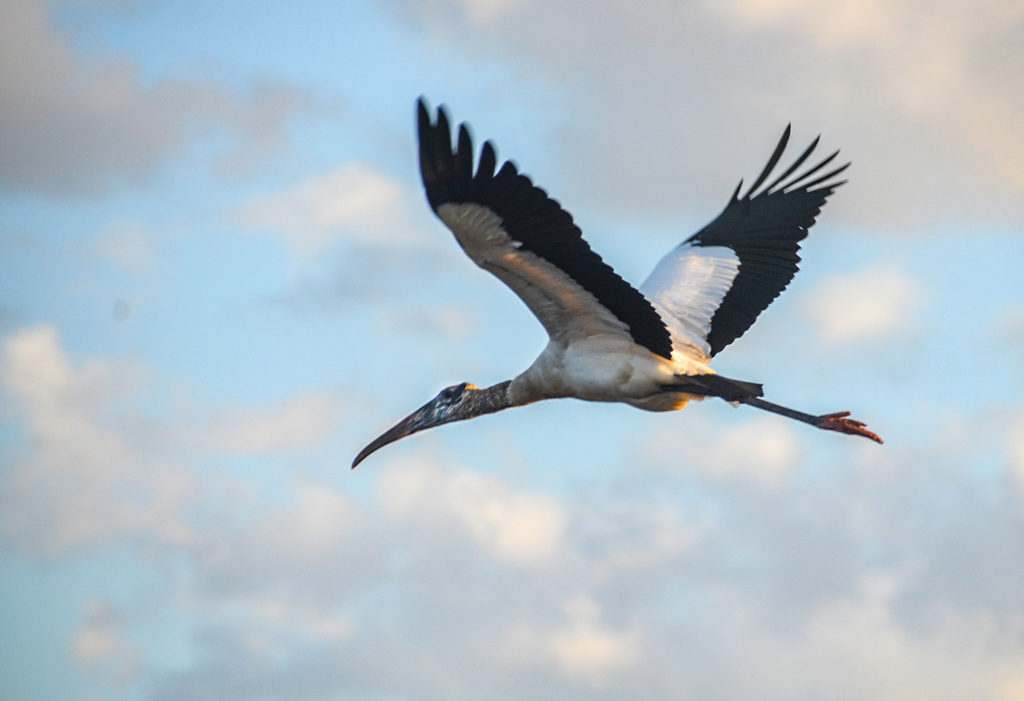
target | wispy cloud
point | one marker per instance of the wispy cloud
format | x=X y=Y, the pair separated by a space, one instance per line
x=300 y=423
x=350 y=203
x=865 y=305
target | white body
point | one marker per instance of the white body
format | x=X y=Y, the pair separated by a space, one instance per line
x=591 y=354
x=603 y=369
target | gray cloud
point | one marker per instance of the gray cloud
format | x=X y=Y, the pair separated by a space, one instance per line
x=673 y=102
x=778 y=571
x=822 y=584
x=70 y=125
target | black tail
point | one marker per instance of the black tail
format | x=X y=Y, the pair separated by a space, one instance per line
x=716 y=386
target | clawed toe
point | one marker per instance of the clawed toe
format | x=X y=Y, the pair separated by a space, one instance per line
x=838 y=421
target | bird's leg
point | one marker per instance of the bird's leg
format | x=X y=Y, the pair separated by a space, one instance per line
x=836 y=421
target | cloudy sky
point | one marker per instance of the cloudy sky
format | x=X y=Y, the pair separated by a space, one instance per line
x=219 y=280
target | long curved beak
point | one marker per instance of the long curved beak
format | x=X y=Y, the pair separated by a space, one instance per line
x=410 y=424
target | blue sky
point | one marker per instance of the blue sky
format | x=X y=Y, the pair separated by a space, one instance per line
x=219 y=280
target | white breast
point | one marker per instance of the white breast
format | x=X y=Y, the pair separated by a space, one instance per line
x=603 y=369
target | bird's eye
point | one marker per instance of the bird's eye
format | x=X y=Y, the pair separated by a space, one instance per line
x=453 y=392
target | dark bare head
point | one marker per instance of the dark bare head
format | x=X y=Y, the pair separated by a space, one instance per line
x=455 y=403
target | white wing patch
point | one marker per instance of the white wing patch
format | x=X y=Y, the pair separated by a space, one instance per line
x=566 y=310
x=686 y=287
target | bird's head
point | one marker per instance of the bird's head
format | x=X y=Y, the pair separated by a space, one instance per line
x=451 y=404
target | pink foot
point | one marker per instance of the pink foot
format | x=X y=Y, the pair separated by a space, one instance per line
x=838 y=422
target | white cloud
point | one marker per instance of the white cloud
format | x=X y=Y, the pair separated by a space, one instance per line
x=864 y=306
x=858 y=644
x=440 y=582
x=298 y=423
x=488 y=11
x=759 y=452
x=835 y=24
x=437 y=581
x=1012 y=689
x=435 y=321
x=94 y=468
x=66 y=487
x=99 y=644
x=415 y=614
x=517 y=526
x=512 y=525
x=318 y=521
x=1015 y=452
x=586 y=647
x=576 y=645
x=637 y=537
x=763 y=450
x=287 y=560
x=352 y=202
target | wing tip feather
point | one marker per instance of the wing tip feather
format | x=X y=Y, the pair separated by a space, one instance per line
x=772 y=161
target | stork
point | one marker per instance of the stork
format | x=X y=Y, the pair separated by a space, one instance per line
x=650 y=347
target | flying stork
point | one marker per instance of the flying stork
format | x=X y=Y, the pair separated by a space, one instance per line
x=649 y=347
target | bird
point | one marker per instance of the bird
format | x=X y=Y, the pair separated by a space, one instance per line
x=649 y=346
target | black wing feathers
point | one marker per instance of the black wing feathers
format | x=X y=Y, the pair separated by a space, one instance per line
x=776 y=155
x=797 y=163
x=532 y=218
x=765 y=229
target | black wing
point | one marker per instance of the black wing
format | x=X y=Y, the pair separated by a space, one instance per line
x=764 y=228
x=533 y=221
